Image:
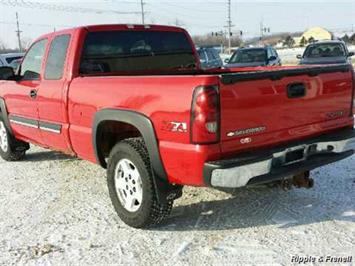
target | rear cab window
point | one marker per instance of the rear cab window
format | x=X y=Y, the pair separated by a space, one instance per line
x=129 y=51
x=249 y=55
x=325 y=50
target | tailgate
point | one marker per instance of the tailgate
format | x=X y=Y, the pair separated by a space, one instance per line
x=271 y=107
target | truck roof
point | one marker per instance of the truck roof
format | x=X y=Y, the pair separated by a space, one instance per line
x=108 y=27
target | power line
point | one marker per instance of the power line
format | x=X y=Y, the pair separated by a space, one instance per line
x=199 y=9
x=36 y=25
x=61 y=8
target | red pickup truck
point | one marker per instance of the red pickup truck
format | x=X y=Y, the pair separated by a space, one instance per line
x=134 y=100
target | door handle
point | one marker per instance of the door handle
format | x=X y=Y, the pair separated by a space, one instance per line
x=296 y=90
x=33 y=94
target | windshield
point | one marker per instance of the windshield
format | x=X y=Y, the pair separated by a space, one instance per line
x=324 y=50
x=248 y=56
x=126 y=51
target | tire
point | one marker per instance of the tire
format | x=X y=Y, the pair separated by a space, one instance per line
x=10 y=148
x=131 y=187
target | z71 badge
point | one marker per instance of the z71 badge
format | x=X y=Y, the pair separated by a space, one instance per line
x=247 y=131
x=175 y=127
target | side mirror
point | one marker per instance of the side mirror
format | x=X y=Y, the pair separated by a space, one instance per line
x=350 y=54
x=272 y=58
x=299 y=56
x=7 y=73
x=30 y=75
x=226 y=60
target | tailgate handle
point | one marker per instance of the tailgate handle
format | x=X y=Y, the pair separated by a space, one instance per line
x=296 y=90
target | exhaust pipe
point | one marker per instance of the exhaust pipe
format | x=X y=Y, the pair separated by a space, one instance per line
x=302 y=180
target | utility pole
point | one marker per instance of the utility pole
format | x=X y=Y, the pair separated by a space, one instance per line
x=18 y=32
x=261 y=31
x=142 y=10
x=229 y=26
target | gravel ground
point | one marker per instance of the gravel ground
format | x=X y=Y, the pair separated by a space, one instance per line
x=55 y=210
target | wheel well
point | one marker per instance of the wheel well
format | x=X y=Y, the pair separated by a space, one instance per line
x=111 y=132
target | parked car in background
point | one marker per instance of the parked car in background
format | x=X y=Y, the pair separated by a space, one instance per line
x=251 y=57
x=209 y=58
x=15 y=63
x=327 y=52
x=7 y=59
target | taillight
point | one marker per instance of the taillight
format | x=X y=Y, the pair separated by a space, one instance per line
x=205 y=115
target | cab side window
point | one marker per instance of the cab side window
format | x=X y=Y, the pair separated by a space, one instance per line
x=31 y=64
x=56 y=57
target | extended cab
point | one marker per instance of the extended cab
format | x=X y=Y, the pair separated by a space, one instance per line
x=134 y=100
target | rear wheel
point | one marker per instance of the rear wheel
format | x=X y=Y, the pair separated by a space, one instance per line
x=131 y=186
x=10 y=148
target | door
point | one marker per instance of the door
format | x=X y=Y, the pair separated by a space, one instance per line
x=52 y=108
x=21 y=99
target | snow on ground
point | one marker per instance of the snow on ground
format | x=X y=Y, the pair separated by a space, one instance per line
x=55 y=210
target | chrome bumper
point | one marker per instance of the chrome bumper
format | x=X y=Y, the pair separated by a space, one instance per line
x=240 y=176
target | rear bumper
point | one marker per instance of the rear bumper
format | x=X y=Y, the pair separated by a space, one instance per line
x=254 y=168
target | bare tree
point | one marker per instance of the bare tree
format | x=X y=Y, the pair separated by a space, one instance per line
x=215 y=40
x=352 y=39
x=303 y=42
x=25 y=43
x=5 y=49
x=346 y=38
x=289 y=41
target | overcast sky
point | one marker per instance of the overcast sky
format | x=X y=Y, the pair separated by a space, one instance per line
x=198 y=16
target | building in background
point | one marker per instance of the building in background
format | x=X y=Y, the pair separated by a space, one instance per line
x=313 y=34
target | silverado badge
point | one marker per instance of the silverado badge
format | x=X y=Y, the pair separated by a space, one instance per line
x=247 y=131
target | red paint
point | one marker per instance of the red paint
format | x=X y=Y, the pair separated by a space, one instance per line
x=73 y=101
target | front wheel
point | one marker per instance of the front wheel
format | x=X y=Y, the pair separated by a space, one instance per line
x=131 y=187
x=10 y=148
